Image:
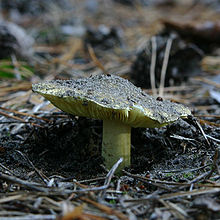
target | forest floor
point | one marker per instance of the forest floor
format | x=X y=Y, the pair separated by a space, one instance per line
x=50 y=162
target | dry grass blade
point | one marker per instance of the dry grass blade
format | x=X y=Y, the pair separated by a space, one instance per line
x=211 y=64
x=212 y=138
x=74 y=46
x=24 y=114
x=186 y=170
x=207 y=81
x=153 y=64
x=202 y=131
x=149 y=180
x=95 y=59
x=6 y=169
x=174 y=88
x=42 y=176
x=109 y=176
x=179 y=194
x=105 y=208
x=29 y=185
x=17 y=87
x=203 y=122
x=10 y=198
x=92 y=180
x=190 y=193
x=176 y=210
x=164 y=66
x=19 y=119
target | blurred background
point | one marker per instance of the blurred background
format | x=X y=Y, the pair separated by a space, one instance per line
x=72 y=38
x=169 y=48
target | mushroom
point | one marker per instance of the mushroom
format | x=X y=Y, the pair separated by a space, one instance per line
x=117 y=102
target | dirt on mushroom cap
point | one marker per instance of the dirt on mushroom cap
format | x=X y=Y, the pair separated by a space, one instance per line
x=110 y=97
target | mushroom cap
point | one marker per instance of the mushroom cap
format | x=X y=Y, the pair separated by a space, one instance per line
x=110 y=97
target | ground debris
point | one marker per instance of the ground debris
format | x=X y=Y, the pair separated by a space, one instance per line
x=50 y=162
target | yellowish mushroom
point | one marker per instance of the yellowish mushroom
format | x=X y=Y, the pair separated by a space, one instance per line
x=117 y=102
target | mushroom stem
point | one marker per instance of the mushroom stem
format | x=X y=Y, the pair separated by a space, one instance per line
x=116 y=143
